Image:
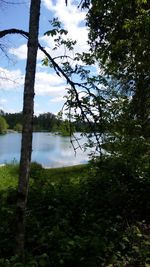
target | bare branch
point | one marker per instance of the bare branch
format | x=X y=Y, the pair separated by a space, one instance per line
x=14 y=31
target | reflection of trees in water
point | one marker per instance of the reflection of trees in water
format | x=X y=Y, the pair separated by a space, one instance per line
x=48 y=149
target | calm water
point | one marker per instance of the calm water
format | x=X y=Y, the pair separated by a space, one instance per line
x=48 y=149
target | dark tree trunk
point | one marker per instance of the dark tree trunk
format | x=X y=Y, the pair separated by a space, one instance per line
x=28 y=109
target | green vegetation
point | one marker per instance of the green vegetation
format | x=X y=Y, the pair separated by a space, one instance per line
x=3 y=125
x=66 y=128
x=123 y=51
x=8 y=177
x=45 y=122
x=18 y=127
x=87 y=215
x=13 y=119
x=98 y=214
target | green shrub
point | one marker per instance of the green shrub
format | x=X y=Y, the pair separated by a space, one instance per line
x=81 y=217
x=35 y=170
x=3 y=125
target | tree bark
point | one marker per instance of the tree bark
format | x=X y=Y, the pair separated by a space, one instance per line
x=28 y=110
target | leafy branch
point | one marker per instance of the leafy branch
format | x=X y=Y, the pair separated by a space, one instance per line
x=73 y=90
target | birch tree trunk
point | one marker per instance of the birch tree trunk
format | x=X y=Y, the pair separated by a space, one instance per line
x=28 y=110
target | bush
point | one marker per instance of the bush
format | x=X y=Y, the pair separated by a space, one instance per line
x=18 y=127
x=35 y=170
x=3 y=125
x=82 y=217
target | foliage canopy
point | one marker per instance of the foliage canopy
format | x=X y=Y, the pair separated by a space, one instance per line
x=119 y=36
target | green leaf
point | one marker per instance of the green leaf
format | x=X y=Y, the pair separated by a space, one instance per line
x=51 y=32
x=45 y=62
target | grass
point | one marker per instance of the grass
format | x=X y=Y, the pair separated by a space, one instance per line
x=74 y=173
x=8 y=176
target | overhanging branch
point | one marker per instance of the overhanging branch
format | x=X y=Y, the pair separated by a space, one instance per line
x=59 y=71
x=14 y=31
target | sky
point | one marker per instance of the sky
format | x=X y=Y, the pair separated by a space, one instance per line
x=50 y=89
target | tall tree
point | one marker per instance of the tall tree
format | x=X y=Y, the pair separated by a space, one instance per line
x=28 y=110
x=119 y=36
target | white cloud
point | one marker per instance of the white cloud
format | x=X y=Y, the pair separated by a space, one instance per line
x=50 y=79
x=49 y=90
x=40 y=67
x=10 y=79
x=21 y=52
x=73 y=19
x=45 y=83
x=3 y=101
x=9 y=110
x=49 y=84
x=69 y=14
x=58 y=99
x=48 y=4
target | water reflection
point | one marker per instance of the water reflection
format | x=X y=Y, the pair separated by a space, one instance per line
x=48 y=149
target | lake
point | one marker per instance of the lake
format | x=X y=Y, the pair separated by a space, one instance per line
x=49 y=149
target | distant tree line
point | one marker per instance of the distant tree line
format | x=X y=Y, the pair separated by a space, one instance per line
x=43 y=122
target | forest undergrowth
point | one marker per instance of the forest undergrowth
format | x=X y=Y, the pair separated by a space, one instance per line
x=88 y=215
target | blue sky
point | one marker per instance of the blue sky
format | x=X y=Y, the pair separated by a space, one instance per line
x=49 y=87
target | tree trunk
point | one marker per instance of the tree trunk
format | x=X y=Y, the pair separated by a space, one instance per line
x=28 y=110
